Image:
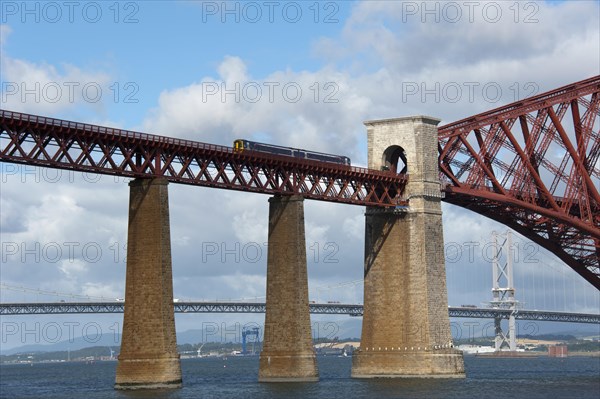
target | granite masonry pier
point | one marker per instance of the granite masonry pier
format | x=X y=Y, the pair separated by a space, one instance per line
x=148 y=357
x=406 y=328
x=287 y=354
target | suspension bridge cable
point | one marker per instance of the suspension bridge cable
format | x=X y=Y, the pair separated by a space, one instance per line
x=38 y=291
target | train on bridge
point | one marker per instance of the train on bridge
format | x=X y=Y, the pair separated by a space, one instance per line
x=240 y=145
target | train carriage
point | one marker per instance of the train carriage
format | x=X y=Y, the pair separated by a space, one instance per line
x=241 y=145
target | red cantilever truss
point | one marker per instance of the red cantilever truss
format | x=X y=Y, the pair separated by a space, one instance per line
x=36 y=140
x=534 y=166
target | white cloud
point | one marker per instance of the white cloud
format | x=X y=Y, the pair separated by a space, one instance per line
x=233 y=70
x=72 y=268
x=102 y=290
x=354 y=227
x=43 y=88
x=393 y=53
x=250 y=222
x=5 y=31
x=414 y=36
x=314 y=110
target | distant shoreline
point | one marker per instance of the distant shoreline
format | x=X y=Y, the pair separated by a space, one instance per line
x=586 y=354
x=529 y=355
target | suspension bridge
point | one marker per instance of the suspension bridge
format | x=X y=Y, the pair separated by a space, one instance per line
x=8 y=309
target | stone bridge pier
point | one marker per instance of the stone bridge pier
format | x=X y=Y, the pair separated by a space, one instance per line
x=148 y=357
x=406 y=328
x=287 y=354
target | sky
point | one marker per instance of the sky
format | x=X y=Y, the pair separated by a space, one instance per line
x=302 y=74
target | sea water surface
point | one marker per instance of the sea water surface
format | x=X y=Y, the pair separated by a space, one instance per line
x=236 y=377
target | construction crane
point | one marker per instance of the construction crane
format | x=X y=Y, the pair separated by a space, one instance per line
x=249 y=331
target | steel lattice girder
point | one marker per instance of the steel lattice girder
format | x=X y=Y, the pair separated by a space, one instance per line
x=15 y=309
x=531 y=165
x=54 y=143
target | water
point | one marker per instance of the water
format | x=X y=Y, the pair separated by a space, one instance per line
x=574 y=377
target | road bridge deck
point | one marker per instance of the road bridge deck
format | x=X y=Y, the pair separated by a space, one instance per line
x=259 y=307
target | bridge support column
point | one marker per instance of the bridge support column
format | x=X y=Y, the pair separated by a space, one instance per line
x=148 y=357
x=287 y=353
x=406 y=328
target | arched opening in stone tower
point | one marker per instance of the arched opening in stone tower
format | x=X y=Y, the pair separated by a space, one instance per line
x=394 y=159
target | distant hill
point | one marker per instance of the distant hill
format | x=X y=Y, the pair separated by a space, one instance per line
x=93 y=352
x=350 y=328
x=106 y=340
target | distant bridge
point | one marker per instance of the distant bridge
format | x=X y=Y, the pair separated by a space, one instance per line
x=259 y=307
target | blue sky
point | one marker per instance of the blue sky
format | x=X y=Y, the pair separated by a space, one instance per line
x=364 y=60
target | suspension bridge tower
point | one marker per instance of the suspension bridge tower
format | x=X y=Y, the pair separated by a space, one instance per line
x=503 y=291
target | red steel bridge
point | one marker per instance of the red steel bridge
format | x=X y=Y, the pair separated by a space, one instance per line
x=530 y=165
